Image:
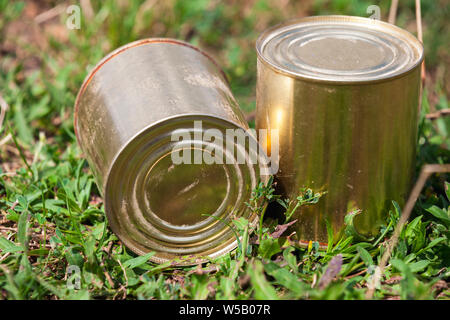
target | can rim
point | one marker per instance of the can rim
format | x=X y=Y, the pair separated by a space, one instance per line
x=120 y=50
x=230 y=244
x=159 y=122
x=260 y=42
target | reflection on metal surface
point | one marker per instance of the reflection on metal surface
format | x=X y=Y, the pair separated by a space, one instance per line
x=127 y=112
x=340 y=48
x=343 y=92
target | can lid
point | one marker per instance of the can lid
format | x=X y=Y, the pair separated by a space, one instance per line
x=160 y=197
x=339 y=49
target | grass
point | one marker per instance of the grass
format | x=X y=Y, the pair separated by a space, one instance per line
x=51 y=215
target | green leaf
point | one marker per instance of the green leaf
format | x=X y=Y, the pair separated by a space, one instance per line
x=38 y=252
x=24 y=130
x=447 y=190
x=136 y=262
x=23 y=201
x=69 y=200
x=413 y=225
x=397 y=211
x=350 y=229
x=199 y=287
x=12 y=215
x=343 y=243
x=285 y=278
x=329 y=235
x=40 y=109
x=290 y=258
x=226 y=285
x=263 y=290
x=439 y=213
x=415 y=234
x=240 y=223
x=22 y=229
x=268 y=247
x=284 y=203
x=407 y=282
x=418 y=266
x=365 y=256
x=74 y=257
x=432 y=244
x=11 y=284
x=89 y=247
x=53 y=205
x=9 y=246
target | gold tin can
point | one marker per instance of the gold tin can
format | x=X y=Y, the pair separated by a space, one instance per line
x=343 y=92
x=127 y=112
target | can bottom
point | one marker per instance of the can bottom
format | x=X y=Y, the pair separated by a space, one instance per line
x=163 y=195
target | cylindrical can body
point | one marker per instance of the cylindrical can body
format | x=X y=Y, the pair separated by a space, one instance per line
x=144 y=105
x=344 y=98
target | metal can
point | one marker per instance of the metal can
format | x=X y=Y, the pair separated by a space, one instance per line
x=343 y=93
x=127 y=113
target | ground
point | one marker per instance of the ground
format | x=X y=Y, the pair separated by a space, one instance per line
x=54 y=242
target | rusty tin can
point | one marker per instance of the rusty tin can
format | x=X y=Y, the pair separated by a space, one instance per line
x=343 y=93
x=127 y=112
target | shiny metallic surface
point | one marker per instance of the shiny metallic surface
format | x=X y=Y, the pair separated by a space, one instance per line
x=343 y=93
x=125 y=114
x=340 y=49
